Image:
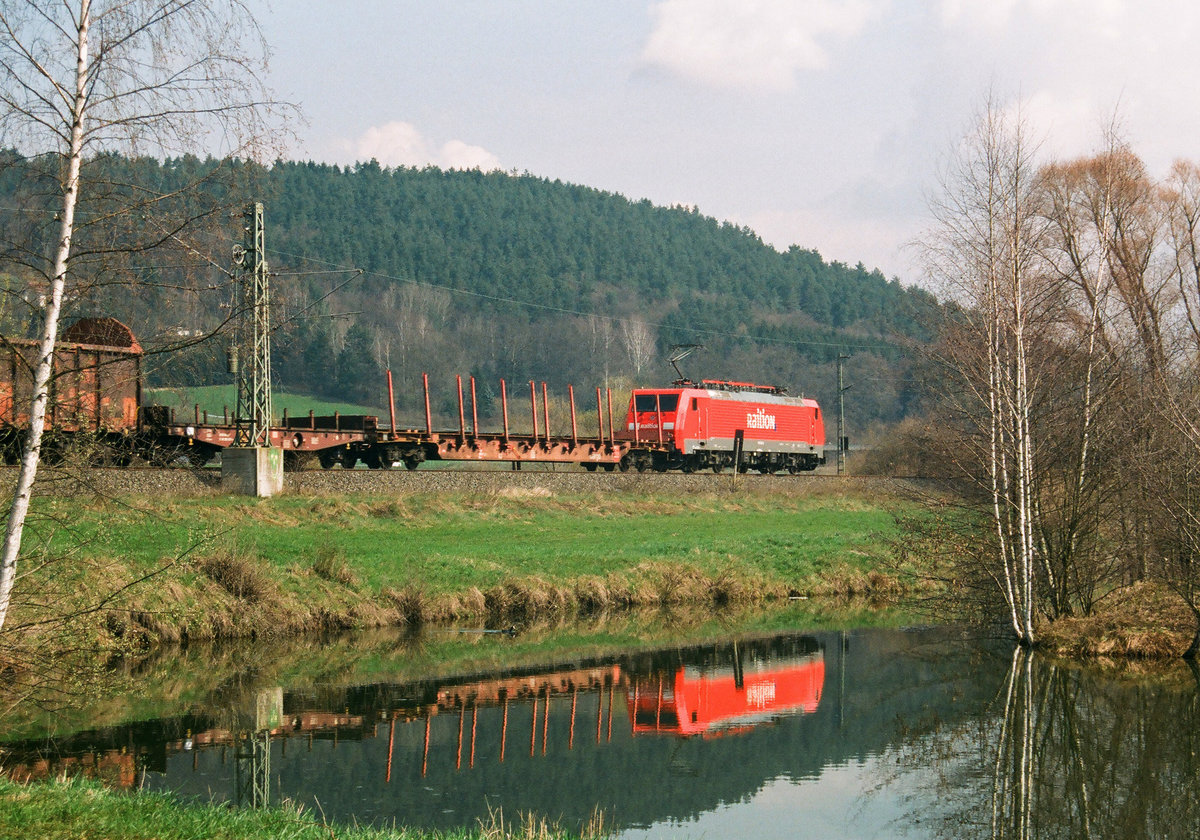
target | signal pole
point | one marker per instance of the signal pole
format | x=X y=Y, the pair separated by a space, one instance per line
x=841 y=442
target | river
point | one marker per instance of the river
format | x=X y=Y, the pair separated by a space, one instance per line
x=799 y=728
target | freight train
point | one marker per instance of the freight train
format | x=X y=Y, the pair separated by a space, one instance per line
x=95 y=413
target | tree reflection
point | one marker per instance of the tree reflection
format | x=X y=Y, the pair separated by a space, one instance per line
x=1071 y=752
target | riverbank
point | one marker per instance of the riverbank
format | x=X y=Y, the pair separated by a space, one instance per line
x=138 y=569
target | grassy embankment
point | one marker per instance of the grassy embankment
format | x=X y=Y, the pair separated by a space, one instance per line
x=220 y=566
x=80 y=810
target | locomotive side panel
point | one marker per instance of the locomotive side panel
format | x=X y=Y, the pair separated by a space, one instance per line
x=778 y=424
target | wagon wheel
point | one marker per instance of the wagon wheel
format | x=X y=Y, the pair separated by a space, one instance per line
x=372 y=460
x=411 y=462
x=327 y=458
x=623 y=466
x=590 y=467
x=717 y=467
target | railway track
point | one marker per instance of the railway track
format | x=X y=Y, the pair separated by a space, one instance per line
x=160 y=481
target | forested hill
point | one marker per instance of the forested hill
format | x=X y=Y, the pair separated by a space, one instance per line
x=501 y=275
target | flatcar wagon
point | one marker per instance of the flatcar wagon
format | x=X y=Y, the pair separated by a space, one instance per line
x=716 y=424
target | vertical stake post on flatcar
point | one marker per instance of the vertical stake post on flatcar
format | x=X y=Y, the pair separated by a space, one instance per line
x=611 y=439
x=504 y=409
x=474 y=411
x=312 y=420
x=574 y=432
x=600 y=414
x=391 y=402
x=462 y=417
x=428 y=415
x=196 y=409
x=533 y=403
x=546 y=412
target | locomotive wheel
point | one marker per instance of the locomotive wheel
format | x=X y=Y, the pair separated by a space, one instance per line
x=717 y=467
x=688 y=466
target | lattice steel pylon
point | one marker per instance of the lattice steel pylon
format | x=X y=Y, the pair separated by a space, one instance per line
x=252 y=314
x=252 y=769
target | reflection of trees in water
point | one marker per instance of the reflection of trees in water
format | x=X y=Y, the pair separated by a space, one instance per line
x=1071 y=753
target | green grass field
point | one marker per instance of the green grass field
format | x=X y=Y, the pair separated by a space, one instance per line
x=230 y=566
x=78 y=809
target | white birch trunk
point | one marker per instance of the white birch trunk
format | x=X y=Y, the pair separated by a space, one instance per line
x=45 y=362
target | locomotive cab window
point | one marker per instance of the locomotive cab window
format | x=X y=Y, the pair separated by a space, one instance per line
x=695 y=403
x=646 y=402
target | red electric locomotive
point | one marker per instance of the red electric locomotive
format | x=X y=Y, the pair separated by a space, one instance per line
x=716 y=424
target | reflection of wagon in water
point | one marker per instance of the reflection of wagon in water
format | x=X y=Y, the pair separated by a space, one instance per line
x=731 y=695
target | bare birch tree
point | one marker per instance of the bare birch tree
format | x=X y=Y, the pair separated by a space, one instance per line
x=984 y=248
x=639 y=341
x=80 y=79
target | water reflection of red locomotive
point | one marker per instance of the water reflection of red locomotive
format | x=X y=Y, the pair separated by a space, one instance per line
x=727 y=699
x=707 y=691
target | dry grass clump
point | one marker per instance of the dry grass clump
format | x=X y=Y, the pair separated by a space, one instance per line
x=330 y=564
x=530 y=826
x=527 y=598
x=848 y=582
x=1141 y=621
x=411 y=603
x=238 y=574
x=729 y=587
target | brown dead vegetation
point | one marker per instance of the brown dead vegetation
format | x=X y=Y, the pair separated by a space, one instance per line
x=1142 y=621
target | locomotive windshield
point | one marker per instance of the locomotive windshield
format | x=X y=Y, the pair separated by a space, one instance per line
x=646 y=402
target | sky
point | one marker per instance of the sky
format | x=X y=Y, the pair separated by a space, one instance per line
x=818 y=123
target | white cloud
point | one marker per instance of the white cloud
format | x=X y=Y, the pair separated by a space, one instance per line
x=754 y=44
x=401 y=144
x=455 y=154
